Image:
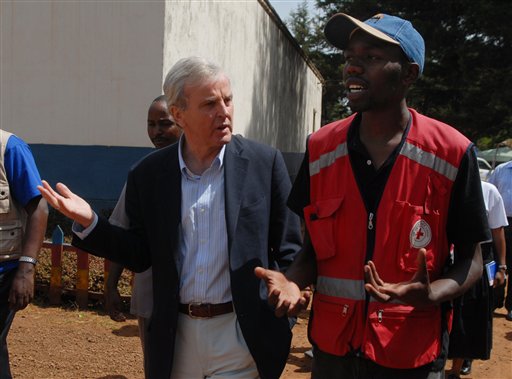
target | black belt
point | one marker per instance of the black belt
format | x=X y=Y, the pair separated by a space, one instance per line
x=199 y=310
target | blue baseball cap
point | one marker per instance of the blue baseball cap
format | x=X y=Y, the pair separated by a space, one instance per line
x=392 y=29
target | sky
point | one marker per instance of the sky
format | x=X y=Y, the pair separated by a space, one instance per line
x=284 y=7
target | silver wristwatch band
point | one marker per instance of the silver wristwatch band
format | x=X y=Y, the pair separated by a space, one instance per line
x=27 y=259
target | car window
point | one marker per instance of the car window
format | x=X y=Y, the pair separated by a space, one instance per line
x=483 y=164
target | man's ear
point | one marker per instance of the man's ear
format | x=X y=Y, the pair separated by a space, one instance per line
x=412 y=73
x=176 y=114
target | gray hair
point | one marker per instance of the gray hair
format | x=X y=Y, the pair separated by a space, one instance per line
x=189 y=71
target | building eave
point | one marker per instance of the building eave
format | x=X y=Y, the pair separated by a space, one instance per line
x=282 y=26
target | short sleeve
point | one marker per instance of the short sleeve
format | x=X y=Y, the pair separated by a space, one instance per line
x=467 y=217
x=497 y=216
x=299 y=195
x=21 y=171
x=119 y=216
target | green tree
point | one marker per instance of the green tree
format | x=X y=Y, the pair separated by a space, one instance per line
x=300 y=25
x=308 y=31
x=468 y=70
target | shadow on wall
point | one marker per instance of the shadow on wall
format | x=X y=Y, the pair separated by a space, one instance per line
x=279 y=94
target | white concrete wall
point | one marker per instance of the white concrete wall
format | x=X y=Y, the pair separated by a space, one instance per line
x=80 y=73
x=83 y=73
x=275 y=93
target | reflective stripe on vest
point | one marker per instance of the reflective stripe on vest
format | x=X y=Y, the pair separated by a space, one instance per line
x=429 y=160
x=343 y=288
x=408 y=150
x=327 y=159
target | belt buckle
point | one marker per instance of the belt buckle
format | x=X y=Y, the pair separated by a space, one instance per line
x=190 y=305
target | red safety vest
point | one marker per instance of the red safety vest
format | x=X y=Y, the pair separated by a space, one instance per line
x=412 y=214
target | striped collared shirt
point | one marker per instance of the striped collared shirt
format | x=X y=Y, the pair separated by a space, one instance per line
x=203 y=259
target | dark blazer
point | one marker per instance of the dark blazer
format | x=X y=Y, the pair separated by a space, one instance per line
x=261 y=232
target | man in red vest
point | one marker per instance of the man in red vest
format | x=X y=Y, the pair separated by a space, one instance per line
x=384 y=194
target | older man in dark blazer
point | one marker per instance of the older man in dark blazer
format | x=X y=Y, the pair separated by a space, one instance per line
x=204 y=213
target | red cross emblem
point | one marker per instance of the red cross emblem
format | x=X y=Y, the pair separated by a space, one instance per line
x=421 y=234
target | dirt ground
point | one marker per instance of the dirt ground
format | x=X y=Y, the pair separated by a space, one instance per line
x=53 y=342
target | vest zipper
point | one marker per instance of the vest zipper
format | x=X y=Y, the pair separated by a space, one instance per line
x=370 y=236
x=370 y=246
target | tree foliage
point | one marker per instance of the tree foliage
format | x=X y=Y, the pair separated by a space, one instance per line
x=467 y=81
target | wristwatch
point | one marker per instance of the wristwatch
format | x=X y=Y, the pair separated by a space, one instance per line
x=503 y=268
x=27 y=259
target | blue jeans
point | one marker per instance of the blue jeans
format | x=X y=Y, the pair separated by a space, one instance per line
x=326 y=365
x=6 y=317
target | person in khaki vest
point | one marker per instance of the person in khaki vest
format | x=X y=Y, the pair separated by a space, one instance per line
x=23 y=216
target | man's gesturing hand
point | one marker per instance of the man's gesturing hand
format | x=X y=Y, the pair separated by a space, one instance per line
x=67 y=203
x=284 y=294
x=414 y=292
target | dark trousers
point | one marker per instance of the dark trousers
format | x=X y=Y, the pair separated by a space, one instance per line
x=143 y=334
x=6 y=317
x=499 y=292
x=351 y=367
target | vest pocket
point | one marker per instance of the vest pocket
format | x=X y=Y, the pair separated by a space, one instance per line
x=418 y=230
x=10 y=238
x=422 y=227
x=334 y=326
x=320 y=219
x=402 y=336
x=4 y=199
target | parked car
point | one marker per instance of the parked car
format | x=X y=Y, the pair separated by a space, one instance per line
x=484 y=167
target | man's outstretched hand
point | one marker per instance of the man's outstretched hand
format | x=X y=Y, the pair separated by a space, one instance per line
x=67 y=203
x=284 y=294
x=416 y=292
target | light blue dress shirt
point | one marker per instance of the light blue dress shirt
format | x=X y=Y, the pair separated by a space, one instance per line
x=203 y=260
x=502 y=179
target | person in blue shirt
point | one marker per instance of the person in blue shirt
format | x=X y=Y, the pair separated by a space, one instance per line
x=502 y=179
x=23 y=217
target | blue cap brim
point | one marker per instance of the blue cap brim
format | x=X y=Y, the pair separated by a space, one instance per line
x=340 y=27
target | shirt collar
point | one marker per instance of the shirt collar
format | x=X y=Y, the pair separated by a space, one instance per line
x=217 y=162
x=354 y=140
